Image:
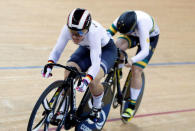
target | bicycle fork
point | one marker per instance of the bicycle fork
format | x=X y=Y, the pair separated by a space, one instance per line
x=71 y=119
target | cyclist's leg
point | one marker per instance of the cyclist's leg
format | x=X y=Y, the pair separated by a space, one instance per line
x=135 y=88
x=123 y=45
x=79 y=59
x=73 y=64
x=109 y=53
x=136 y=81
x=124 y=42
x=97 y=92
x=97 y=89
x=108 y=58
x=137 y=68
x=136 y=84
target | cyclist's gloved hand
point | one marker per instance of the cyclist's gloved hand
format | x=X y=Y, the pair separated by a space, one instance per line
x=47 y=72
x=130 y=63
x=84 y=83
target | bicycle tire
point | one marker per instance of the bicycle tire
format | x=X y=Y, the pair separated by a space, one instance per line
x=111 y=82
x=55 y=85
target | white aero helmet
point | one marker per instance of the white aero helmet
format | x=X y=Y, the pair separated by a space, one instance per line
x=79 y=19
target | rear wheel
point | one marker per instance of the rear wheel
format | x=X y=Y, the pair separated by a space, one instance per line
x=47 y=106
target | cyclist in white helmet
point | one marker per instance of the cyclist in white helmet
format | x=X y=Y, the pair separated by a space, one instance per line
x=137 y=29
x=95 y=55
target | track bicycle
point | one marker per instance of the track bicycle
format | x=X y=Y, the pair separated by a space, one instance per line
x=122 y=95
x=62 y=93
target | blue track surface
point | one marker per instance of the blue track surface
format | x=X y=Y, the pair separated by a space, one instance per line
x=152 y=64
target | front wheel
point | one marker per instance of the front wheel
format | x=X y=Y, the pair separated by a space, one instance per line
x=48 y=104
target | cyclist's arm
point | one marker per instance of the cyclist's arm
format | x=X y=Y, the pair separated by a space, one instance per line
x=143 y=30
x=113 y=28
x=95 y=54
x=62 y=41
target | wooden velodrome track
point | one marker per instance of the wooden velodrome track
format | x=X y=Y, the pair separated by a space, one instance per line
x=29 y=30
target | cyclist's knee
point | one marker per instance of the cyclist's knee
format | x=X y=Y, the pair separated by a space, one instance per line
x=122 y=44
x=73 y=64
x=136 y=71
x=92 y=84
x=96 y=81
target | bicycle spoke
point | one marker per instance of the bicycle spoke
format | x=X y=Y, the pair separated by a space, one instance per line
x=39 y=124
x=47 y=104
x=55 y=99
x=59 y=100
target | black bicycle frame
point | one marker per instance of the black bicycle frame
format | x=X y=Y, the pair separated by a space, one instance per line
x=70 y=79
x=69 y=82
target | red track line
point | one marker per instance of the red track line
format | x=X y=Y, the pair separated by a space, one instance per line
x=144 y=115
x=155 y=114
